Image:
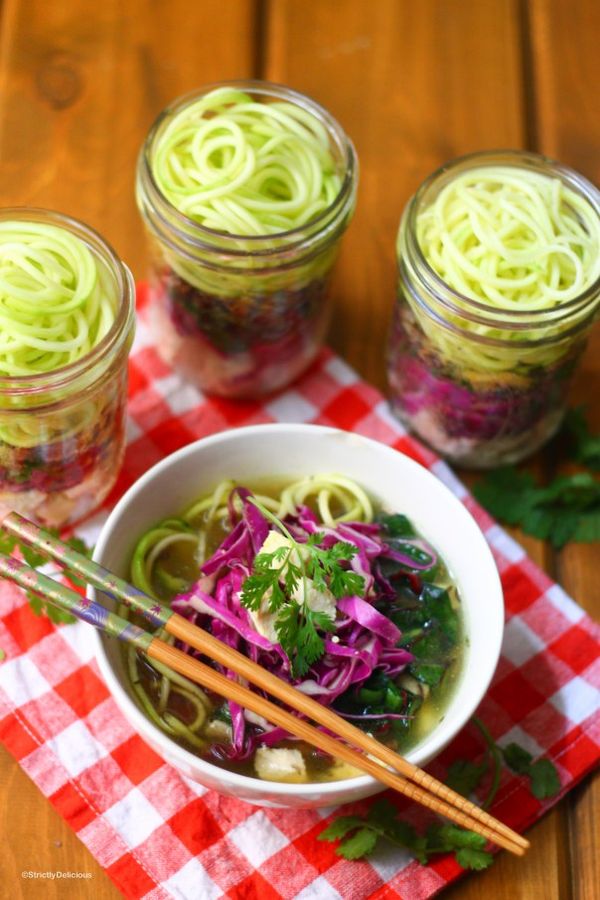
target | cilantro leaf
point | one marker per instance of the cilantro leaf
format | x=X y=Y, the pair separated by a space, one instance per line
x=9 y=543
x=542 y=774
x=450 y=837
x=517 y=758
x=465 y=776
x=296 y=627
x=277 y=577
x=468 y=858
x=585 y=445
x=340 y=827
x=76 y=543
x=360 y=834
x=360 y=844
x=544 y=779
x=506 y=494
x=264 y=582
x=566 y=509
x=40 y=607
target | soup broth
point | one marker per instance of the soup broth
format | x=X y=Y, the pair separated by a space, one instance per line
x=390 y=658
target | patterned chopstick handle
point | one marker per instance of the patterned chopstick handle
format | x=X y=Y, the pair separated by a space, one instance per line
x=115 y=587
x=83 y=608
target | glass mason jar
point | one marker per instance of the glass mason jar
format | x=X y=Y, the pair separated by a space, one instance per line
x=483 y=386
x=62 y=432
x=242 y=316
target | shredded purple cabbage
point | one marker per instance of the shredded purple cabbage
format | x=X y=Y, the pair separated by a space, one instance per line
x=365 y=640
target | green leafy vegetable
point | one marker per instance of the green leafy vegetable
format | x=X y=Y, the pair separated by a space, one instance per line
x=359 y=835
x=396 y=524
x=278 y=575
x=567 y=509
x=465 y=776
x=296 y=628
x=543 y=777
x=2 y=654
x=9 y=543
x=585 y=446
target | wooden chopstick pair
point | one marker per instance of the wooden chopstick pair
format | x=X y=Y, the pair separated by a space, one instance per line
x=411 y=781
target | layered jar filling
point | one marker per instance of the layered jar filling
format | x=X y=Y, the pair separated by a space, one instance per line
x=62 y=379
x=498 y=288
x=239 y=191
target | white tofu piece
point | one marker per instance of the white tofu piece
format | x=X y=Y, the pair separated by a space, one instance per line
x=273 y=764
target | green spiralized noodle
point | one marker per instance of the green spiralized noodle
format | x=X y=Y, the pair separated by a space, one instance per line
x=514 y=240
x=243 y=167
x=55 y=302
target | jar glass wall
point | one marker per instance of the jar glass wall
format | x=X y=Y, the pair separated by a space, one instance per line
x=62 y=432
x=486 y=384
x=242 y=315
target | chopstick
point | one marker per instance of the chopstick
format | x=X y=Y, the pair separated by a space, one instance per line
x=416 y=784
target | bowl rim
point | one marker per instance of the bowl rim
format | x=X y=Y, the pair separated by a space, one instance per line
x=250 y=784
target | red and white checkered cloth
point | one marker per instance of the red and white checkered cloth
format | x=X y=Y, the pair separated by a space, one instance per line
x=159 y=836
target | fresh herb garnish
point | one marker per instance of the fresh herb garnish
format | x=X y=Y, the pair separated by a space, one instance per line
x=9 y=543
x=543 y=777
x=296 y=568
x=567 y=509
x=360 y=835
x=585 y=446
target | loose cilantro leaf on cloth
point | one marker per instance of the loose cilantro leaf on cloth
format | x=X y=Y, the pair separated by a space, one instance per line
x=9 y=543
x=42 y=608
x=585 y=446
x=278 y=575
x=465 y=776
x=567 y=509
x=543 y=777
x=359 y=835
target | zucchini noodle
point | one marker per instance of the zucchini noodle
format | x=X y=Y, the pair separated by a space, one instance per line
x=55 y=302
x=242 y=167
x=512 y=239
x=515 y=241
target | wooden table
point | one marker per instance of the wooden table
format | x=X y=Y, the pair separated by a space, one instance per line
x=414 y=84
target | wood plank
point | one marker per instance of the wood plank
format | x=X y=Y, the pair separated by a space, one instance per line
x=79 y=86
x=566 y=80
x=79 y=90
x=413 y=84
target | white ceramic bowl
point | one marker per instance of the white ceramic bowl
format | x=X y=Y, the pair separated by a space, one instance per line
x=295 y=450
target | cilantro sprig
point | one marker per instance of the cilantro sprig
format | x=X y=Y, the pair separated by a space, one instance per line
x=585 y=446
x=9 y=543
x=567 y=509
x=359 y=836
x=276 y=579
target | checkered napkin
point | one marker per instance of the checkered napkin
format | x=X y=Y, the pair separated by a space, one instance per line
x=158 y=835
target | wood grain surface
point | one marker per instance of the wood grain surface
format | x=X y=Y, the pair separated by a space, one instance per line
x=413 y=83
